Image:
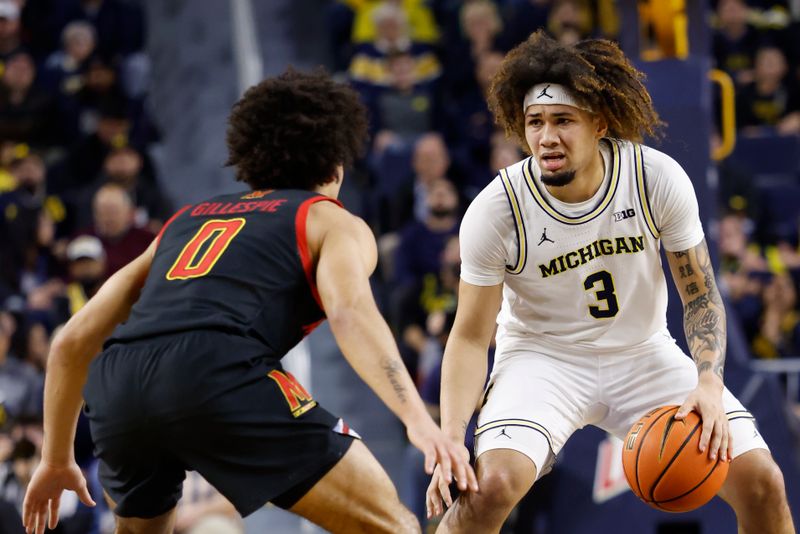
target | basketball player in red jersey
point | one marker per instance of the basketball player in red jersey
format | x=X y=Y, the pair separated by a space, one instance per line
x=192 y=378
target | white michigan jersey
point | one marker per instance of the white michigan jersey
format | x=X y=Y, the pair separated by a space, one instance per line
x=584 y=275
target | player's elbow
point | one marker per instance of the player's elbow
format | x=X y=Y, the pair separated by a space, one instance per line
x=65 y=349
x=347 y=313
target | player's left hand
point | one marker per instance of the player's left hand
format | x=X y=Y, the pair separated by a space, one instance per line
x=706 y=400
x=43 y=496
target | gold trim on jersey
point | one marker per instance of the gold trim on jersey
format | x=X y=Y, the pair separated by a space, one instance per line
x=739 y=414
x=516 y=422
x=611 y=188
x=522 y=239
x=641 y=185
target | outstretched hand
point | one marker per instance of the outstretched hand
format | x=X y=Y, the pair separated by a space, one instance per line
x=450 y=459
x=43 y=496
x=706 y=400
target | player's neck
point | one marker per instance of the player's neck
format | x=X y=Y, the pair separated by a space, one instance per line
x=586 y=183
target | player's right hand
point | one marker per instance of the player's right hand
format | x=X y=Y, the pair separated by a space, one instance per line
x=438 y=492
x=43 y=496
x=443 y=453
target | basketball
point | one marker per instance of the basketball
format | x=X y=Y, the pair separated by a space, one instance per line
x=664 y=466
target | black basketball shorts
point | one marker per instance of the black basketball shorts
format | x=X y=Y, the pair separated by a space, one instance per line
x=205 y=401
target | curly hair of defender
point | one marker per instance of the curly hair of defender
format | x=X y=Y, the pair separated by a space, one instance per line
x=595 y=70
x=292 y=131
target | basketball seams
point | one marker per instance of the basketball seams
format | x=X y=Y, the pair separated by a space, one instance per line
x=675 y=456
x=711 y=472
x=639 y=449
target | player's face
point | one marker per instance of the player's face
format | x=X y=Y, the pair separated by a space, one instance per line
x=562 y=139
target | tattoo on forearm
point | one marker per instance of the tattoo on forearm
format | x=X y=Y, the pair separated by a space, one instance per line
x=704 y=314
x=393 y=370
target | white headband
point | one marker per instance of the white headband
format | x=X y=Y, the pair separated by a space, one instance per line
x=552 y=93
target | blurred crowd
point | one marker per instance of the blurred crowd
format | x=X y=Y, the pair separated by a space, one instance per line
x=80 y=195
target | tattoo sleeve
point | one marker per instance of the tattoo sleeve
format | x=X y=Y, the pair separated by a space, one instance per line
x=703 y=311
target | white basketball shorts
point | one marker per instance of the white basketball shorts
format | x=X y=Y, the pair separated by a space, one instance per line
x=536 y=399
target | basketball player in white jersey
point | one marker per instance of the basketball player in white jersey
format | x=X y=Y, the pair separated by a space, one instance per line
x=566 y=245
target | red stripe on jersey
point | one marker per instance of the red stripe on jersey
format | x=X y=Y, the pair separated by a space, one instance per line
x=302 y=243
x=163 y=228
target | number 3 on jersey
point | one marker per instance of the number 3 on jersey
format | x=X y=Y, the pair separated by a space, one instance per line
x=205 y=248
x=605 y=292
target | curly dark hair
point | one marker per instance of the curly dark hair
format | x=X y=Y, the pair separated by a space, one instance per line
x=595 y=70
x=292 y=131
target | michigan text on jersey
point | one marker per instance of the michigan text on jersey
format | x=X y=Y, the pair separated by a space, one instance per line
x=600 y=247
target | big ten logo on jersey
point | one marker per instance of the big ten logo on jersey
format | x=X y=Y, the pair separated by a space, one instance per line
x=296 y=396
x=624 y=214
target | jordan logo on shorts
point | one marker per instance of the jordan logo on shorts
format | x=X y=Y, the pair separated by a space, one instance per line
x=544 y=237
x=503 y=433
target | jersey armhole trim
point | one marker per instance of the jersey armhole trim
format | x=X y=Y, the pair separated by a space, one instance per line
x=169 y=221
x=519 y=225
x=644 y=201
x=300 y=221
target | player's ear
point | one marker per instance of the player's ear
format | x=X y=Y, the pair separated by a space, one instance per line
x=601 y=125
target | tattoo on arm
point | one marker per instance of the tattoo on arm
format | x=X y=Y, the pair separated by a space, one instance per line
x=393 y=370
x=703 y=312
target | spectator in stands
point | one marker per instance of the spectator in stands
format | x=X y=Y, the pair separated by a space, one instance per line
x=403 y=110
x=568 y=22
x=424 y=309
x=119 y=25
x=420 y=247
x=742 y=271
x=521 y=17
x=505 y=153
x=734 y=41
x=66 y=73
x=204 y=510
x=27 y=232
x=20 y=387
x=124 y=166
x=430 y=162
x=369 y=70
x=86 y=269
x=779 y=332
x=35 y=340
x=471 y=126
x=26 y=112
x=10 y=42
x=771 y=100
x=480 y=33
x=420 y=17
x=113 y=213
x=113 y=131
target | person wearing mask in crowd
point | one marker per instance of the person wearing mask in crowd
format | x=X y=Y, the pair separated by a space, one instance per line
x=86 y=269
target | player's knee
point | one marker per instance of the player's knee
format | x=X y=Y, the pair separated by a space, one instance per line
x=766 y=488
x=501 y=489
x=405 y=522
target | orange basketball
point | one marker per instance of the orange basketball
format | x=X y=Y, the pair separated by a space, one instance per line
x=663 y=465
